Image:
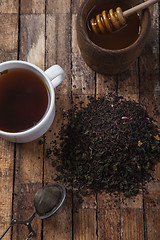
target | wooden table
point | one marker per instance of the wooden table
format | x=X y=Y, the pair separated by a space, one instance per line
x=44 y=33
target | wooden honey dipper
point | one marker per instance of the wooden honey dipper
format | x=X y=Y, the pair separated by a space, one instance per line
x=112 y=20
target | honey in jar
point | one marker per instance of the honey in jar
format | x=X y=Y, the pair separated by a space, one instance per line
x=118 y=39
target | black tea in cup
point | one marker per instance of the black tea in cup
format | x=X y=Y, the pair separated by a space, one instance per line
x=24 y=99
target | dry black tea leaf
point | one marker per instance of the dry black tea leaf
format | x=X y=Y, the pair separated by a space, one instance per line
x=112 y=145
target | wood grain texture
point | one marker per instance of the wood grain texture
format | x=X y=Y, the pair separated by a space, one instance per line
x=108 y=217
x=132 y=224
x=108 y=214
x=8 y=51
x=32 y=6
x=6 y=183
x=29 y=156
x=84 y=219
x=58 y=226
x=85 y=213
x=83 y=85
x=83 y=78
x=32 y=39
x=128 y=83
x=124 y=218
x=150 y=98
x=9 y=6
x=58 y=43
x=9 y=37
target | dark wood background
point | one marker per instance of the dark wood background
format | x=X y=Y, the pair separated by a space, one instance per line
x=43 y=32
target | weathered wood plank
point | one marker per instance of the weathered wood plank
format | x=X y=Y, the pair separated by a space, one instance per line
x=83 y=85
x=132 y=225
x=8 y=36
x=108 y=217
x=108 y=214
x=128 y=83
x=152 y=213
x=32 y=39
x=28 y=179
x=58 y=51
x=29 y=156
x=58 y=42
x=6 y=184
x=9 y=6
x=57 y=47
x=32 y=7
x=58 y=226
x=84 y=221
x=150 y=98
x=58 y=8
x=83 y=78
x=85 y=213
x=8 y=51
x=106 y=84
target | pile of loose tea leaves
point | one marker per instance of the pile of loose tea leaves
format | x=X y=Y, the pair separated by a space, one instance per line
x=112 y=145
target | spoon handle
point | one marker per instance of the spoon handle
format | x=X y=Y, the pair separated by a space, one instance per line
x=25 y=222
x=31 y=231
x=14 y=221
x=5 y=231
x=139 y=7
x=29 y=236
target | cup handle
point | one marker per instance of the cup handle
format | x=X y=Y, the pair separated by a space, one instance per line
x=55 y=74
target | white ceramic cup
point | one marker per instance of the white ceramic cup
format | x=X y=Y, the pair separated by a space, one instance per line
x=52 y=77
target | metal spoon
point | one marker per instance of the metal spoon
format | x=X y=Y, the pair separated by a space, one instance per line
x=47 y=201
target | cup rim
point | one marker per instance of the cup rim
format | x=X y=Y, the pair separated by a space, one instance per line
x=49 y=109
x=92 y=44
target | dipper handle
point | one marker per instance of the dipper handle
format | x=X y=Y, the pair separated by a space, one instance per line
x=139 y=7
